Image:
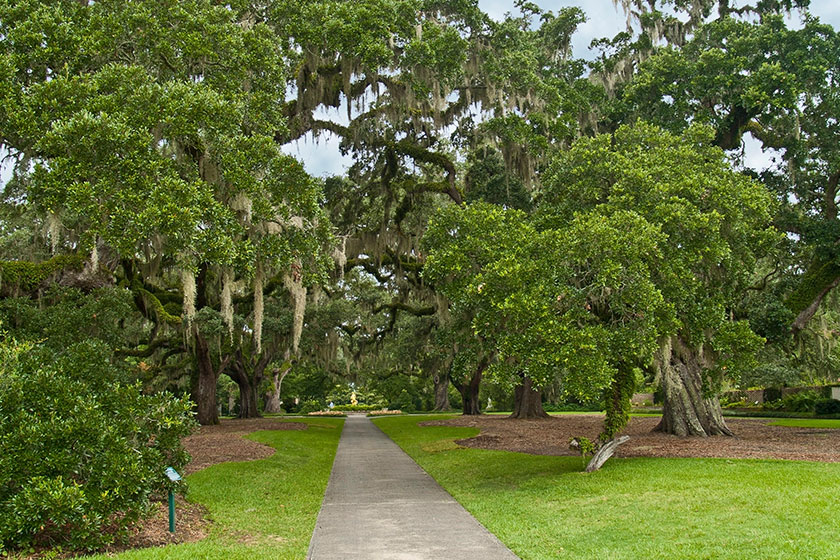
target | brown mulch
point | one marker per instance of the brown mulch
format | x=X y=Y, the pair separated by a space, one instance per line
x=224 y=442
x=208 y=445
x=754 y=439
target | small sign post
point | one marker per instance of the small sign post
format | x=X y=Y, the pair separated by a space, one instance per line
x=174 y=477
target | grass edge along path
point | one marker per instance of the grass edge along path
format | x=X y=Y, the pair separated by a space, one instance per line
x=545 y=507
x=264 y=509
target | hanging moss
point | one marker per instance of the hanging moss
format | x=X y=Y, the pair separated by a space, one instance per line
x=26 y=276
x=259 y=280
x=294 y=283
x=188 y=283
x=227 y=301
x=53 y=231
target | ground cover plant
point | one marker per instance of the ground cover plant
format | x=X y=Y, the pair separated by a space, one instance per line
x=545 y=507
x=261 y=509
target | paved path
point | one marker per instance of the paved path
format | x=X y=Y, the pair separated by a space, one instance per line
x=381 y=505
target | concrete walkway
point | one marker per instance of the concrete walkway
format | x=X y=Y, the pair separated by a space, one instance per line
x=381 y=505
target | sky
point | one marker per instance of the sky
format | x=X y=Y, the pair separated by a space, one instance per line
x=603 y=20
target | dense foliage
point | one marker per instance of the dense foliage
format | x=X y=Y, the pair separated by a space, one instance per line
x=81 y=449
x=562 y=229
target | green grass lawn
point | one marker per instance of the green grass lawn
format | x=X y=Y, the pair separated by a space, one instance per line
x=262 y=509
x=806 y=422
x=545 y=507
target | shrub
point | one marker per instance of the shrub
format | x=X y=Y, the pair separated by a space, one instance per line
x=826 y=406
x=81 y=453
x=305 y=407
x=572 y=407
x=801 y=402
x=404 y=402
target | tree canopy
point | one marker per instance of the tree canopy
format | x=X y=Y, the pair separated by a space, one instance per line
x=515 y=219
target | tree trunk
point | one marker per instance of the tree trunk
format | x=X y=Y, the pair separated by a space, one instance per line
x=205 y=393
x=238 y=372
x=527 y=401
x=272 y=402
x=686 y=411
x=442 y=392
x=247 y=398
x=207 y=410
x=469 y=393
x=617 y=398
x=248 y=376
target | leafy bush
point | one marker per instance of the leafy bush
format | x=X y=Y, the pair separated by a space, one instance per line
x=736 y=404
x=572 y=407
x=826 y=406
x=404 y=402
x=797 y=402
x=305 y=407
x=80 y=451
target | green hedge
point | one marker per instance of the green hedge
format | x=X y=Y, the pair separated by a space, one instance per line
x=81 y=453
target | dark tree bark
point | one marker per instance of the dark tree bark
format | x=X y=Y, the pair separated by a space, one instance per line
x=442 y=392
x=527 y=401
x=469 y=392
x=207 y=413
x=686 y=410
x=247 y=394
x=249 y=376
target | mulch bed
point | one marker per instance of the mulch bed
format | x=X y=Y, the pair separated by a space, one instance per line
x=209 y=445
x=754 y=439
x=224 y=442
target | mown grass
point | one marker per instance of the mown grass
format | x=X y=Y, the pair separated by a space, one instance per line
x=262 y=509
x=545 y=507
x=806 y=422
